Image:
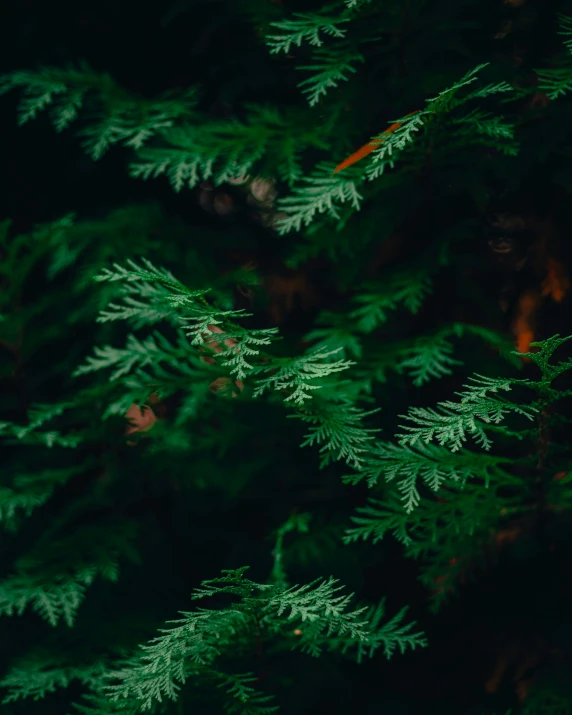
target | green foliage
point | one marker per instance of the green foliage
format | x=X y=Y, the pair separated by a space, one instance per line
x=329 y=69
x=34 y=679
x=30 y=491
x=318 y=195
x=321 y=192
x=310 y=618
x=196 y=149
x=557 y=81
x=109 y=525
x=409 y=290
x=226 y=149
x=451 y=422
x=127 y=120
x=337 y=426
x=305 y=28
x=477 y=488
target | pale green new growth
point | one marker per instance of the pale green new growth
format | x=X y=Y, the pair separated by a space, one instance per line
x=439 y=107
x=321 y=616
x=304 y=27
x=137 y=353
x=391 y=636
x=338 y=429
x=191 y=147
x=489 y=89
x=452 y=422
x=390 y=145
x=321 y=193
x=435 y=526
x=557 y=81
x=298 y=374
x=440 y=490
x=243 y=344
x=427 y=463
x=224 y=150
x=149 y=273
x=180 y=305
x=477 y=491
x=329 y=68
x=448 y=99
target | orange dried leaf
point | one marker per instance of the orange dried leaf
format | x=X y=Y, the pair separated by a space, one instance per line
x=369 y=147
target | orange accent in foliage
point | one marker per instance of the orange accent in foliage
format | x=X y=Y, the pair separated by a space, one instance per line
x=370 y=146
x=523 y=341
x=556 y=283
x=524 y=323
x=140 y=419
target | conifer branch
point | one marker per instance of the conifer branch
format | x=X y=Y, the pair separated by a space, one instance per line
x=305 y=27
x=329 y=68
x=126 y=119
x=319 y=615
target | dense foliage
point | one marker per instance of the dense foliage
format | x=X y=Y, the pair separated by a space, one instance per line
x=285 y=420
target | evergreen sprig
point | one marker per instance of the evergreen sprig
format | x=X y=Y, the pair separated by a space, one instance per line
x=35 y=678
x=374 y=305
x=298 y=375
x=126 y=119
x=329 y=68
x=451 y=422
x=319 y=193
x=305 y=27
x=339 y=430
x=323 y=192
x=316 y=615
x=427 y=463
x=557 y=81
x=444 y=500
